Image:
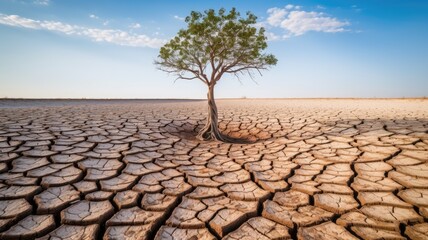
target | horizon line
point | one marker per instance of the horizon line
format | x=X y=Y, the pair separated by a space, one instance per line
x=238 y=98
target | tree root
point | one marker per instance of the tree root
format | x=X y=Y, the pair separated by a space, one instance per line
x=209 y=133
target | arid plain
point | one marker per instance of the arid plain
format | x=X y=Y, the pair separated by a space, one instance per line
x=132 y=169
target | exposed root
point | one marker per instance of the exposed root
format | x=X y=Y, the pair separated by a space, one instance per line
x=211 y=131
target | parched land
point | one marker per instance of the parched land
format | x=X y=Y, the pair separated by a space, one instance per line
x=314 y=169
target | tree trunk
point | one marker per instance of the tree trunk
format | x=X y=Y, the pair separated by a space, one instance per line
x=210 y=130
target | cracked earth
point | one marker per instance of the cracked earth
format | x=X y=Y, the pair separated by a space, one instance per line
x=314 y=169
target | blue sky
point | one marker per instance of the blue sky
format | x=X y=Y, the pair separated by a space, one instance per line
x=106 y=49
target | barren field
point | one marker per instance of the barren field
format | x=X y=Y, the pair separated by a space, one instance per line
x=130 y=169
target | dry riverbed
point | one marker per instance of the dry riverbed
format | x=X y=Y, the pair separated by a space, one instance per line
x=132 y=169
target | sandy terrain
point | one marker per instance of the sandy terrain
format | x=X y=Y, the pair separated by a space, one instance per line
x=319 y=169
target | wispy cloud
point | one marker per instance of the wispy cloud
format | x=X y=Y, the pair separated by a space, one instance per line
x=291 y=6
x=99 y=19
x=113 y=36
x=93 y=16
x=272 y=36
x=300 y=22
x=276 y=16
x=179 y=18
x=135 y=25
x=295 y=22
x=356 y=8
x=42 y=2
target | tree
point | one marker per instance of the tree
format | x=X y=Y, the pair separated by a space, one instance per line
x=213 y=45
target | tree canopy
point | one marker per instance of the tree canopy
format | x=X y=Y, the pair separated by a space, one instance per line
x=214 y=44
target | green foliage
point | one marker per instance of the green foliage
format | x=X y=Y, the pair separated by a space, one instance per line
x=215 y=43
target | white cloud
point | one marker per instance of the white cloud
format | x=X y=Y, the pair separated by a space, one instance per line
x=300 y=22
x=58 y=27
x=289 y=6
x=276 y=16
x=297 y=22
x=15 y=20
x=113 y=36
x=103 y=21
x=260 y=24
x=93 y=16
x=135 y=25
x=271 y=36
x=42 y=2
x=179 y=18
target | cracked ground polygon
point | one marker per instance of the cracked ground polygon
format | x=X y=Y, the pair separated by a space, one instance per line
x=304 y=169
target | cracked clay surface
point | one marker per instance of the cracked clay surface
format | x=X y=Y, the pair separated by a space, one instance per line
x=132 y=169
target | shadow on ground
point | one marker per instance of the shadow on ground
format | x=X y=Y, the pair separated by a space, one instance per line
x=255 y=133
